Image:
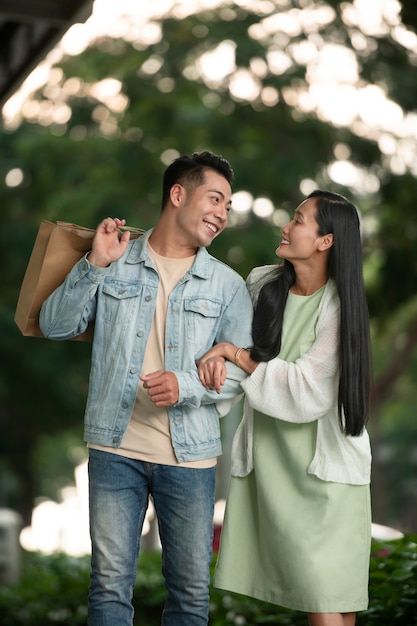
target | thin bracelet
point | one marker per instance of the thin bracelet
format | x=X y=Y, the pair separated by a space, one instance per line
x=237 y=355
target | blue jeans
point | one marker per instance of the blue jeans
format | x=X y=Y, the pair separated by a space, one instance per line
x=184 y=503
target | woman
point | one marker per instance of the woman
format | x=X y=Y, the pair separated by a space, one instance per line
x=297 y=524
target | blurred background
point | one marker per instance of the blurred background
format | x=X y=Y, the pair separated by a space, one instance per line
x=297 y=95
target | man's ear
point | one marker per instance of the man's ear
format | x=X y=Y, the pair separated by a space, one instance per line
x=177 y=194
x=326 y=242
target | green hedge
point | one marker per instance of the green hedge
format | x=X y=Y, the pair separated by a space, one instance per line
x=53 y=591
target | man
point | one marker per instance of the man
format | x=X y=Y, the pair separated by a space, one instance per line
x=158 y=303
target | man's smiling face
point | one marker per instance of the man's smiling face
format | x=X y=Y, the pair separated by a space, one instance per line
x=203 y=211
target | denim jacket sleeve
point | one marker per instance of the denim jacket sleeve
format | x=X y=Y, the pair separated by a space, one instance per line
x=235 y=327
x=68 y=311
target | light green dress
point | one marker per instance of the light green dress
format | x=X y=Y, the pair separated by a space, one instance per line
x=288 y=537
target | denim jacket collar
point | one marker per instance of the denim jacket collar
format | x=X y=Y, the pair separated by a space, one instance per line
x=138 y=253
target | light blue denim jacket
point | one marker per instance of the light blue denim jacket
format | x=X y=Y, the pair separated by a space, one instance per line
x=209 y=304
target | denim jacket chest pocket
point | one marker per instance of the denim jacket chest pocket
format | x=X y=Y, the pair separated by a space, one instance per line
x=202 y=315
x=121 y=299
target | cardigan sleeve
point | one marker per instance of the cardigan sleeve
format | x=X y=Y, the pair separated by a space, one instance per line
x=304 y=390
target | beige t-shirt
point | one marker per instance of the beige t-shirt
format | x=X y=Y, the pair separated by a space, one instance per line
x=147 y=437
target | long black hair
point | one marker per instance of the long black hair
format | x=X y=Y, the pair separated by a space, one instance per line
x=336 y=215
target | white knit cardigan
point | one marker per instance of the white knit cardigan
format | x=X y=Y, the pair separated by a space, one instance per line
x=305 y=391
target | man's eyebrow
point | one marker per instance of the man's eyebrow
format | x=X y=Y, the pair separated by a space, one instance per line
x=220 y=194
x=216 y=191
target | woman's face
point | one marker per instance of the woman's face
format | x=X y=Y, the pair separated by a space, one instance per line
x=300 y=238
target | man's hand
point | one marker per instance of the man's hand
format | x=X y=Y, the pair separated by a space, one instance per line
x=212 y=373
x=108 y=244
x=162 y=387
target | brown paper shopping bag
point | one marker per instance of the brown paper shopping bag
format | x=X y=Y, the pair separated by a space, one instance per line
x=58 y=246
